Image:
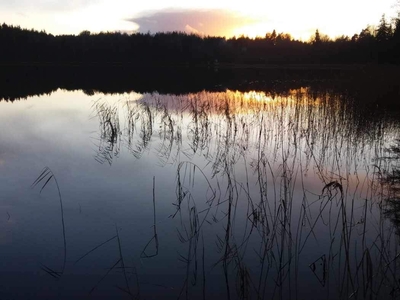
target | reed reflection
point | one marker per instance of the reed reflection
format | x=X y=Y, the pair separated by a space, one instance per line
x=281 y=191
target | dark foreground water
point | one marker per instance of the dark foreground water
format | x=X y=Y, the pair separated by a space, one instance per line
x=256 y=194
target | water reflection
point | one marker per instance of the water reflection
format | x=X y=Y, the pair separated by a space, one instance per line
x=301 y=119
x=110 y=132
x=236 y=195
x=272 y=188
x=390 y=177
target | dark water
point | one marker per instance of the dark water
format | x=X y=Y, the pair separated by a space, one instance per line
x=274 y=192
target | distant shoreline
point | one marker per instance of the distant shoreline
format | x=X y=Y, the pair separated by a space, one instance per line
x=18 y=81
x=309 y=66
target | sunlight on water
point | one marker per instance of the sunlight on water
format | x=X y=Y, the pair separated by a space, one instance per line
x=214 y=194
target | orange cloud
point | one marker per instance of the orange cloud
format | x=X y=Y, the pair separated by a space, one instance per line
x=207 y=22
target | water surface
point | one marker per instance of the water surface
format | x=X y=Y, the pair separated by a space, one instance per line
x=273 y=194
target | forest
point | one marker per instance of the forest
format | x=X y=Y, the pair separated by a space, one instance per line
x=380 y=44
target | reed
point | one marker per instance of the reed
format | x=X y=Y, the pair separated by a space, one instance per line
x=268 y=188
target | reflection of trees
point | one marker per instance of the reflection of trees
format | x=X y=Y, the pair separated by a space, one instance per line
x=364 y=83
x=282 y=185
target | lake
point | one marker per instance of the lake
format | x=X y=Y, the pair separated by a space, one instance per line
x=266 y=185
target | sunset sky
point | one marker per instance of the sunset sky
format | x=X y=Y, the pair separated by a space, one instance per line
x=210 y=17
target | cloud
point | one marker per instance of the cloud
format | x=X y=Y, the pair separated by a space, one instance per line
x=207 y=22
x=45 y=5
x=190 y=29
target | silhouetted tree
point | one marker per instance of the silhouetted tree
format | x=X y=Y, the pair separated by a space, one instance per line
x=384 y=31
x=396 y=30
x=317 y=38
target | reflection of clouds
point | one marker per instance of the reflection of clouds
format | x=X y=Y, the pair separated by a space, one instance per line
x=207 y=22
x=239 y=102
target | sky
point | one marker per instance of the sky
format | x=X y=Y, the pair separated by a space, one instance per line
x=227 y=18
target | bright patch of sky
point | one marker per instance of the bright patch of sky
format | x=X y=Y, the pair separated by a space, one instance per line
x=251 y=17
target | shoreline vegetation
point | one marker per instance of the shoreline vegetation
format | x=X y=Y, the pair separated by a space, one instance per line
x=249 y=222
x=185 y=66
x=361 y=81
x=213 y=66
x=380 y=45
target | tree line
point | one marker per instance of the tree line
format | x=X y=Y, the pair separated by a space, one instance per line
x=371 y=45
x=364 y=82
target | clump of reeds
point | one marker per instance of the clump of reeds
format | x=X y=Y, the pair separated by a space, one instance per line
x=243 y=165
x=109 y=145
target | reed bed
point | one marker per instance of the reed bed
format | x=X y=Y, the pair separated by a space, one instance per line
x=283 y=196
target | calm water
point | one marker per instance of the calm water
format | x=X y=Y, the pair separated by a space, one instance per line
x=208 y=195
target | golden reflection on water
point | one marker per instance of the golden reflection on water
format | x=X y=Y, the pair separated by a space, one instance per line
x=314 y=121
x=264 y=97
x=296 y=169
x=252 y=96
x=242 y=103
